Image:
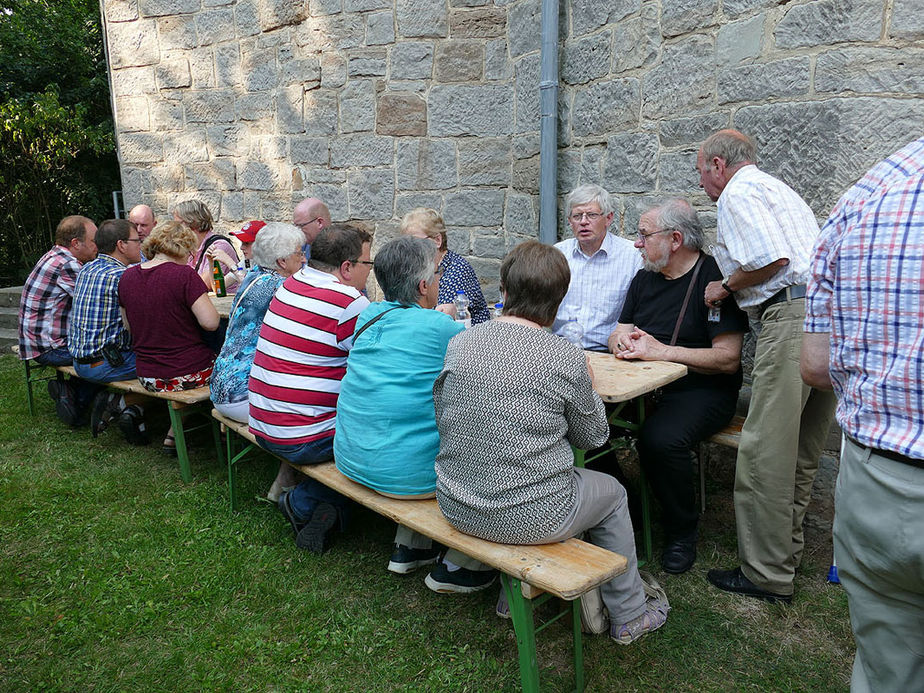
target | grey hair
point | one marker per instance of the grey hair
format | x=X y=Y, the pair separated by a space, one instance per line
x=678 y=215
x=275 y=240
x=734 y=147
x=587 y=193
x=195 y=214
x=401 y=264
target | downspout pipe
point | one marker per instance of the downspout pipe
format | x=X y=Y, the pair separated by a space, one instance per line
x=548 y=125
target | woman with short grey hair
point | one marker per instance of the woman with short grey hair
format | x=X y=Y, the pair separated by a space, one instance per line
x=386 y=431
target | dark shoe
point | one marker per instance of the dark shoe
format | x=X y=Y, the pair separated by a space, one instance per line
x=131 y=423
x=286 y=509
x=105 y=408
x=62 y=394
x=404 y=559
x=459 y=581
x=735 y=581
x=168 y=447
x=313 y=536
x=679 y=555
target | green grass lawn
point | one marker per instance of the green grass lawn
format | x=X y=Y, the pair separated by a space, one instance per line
x=115 y=575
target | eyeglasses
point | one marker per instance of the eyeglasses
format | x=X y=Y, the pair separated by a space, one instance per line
x=644 y=236
x=309 y=222
x=591 y=216
x=131 y=240
x=364 y=262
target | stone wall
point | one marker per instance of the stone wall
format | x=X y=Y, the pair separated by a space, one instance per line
x=378 y=106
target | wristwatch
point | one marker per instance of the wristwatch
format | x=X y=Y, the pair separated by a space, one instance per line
x=726 y=286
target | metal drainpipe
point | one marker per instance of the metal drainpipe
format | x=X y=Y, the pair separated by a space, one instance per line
x=548 y=125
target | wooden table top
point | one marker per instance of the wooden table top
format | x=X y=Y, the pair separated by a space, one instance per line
x=616 y=380
x=223 y=304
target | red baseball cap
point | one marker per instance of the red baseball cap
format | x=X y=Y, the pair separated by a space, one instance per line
x=248 y=231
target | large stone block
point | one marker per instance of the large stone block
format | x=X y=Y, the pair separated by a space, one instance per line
x=260 y=70
x=333 y=70
x=484 y=161
x=217 y=174
x=589 y=15
x=487 y=271
x=140 y=148
x=526 y=175
x=680 y=16
x=166 y=115
x=232 y=206
x=481 y=23
x=459 y=61
x=161 y=8
x=357 y=106
x=631 y=163
x=213 y=26
x=527 y=93
x=478 y=110
x=489 y=245
x=474 y=208
x=320 y=112
x=185 y=146
x=870 y=70
x=170 y=179
x=367 y=63
x=228 y=140
x=289 y=116
x=380 y=28
x=592 y=159
x=361 y=150
x=412 y=60
x=309 y=150
x=824 y=22
x=228 y=65
x=421 y=18
x=683 y=82
x=177 y=33
x=209 y=107
x=814 y=160
x=278 y=13
x=371 y=193
x=735 y=7
x=524 y=29
x=400 y=114
x=132 y=114
x=319 y=8
x=426 y=164
x=521 y=216
x=247 y=16
x=586 y=59
x=201 y=68
x=255 y=106
x=305 y=73
x=789 y=77
x=173 y=74
x=691 y=131
x=268 y=147
x=678 y=172
x=133 y=81
x=636 y=41
x=496 y=61
x=907 y=20
x=405 y=202
x=121 y=10
x=257 y=175
x=606 y=106
x=132 y=44
x=740 y=41
x=366 y=5
x=525 y=146
x=569 y=169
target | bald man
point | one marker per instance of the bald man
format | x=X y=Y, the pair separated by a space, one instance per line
x=142 y=217
x=311 y=216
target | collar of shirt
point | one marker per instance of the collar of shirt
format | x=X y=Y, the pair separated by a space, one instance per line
x=609 y=242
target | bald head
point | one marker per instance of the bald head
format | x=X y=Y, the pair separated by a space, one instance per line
x=311 y=215
x=142 y=217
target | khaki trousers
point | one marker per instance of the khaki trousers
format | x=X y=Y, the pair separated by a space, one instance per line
x=781 y=441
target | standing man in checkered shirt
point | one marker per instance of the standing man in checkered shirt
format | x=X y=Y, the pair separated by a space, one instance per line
x=764 y=244
x=864 y=324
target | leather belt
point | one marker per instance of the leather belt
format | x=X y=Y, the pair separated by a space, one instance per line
x=889 y=454
x=788 y=293
x=91 y=360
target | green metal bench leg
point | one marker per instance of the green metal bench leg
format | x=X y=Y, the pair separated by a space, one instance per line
x=646 y=516
x=521 y=612
x=182 y=454
x=216 y=438
x=29 y=399
x=232 y=470
x=578 y=645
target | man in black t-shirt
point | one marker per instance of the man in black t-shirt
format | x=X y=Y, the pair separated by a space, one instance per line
x=670 y=239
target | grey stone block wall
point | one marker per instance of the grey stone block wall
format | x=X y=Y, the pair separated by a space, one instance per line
x=377 y=106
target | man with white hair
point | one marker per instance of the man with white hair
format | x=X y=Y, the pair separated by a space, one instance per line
x=664 y=319
x=601 y=263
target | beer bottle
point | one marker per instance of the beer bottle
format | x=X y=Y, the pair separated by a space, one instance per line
x=218 y=280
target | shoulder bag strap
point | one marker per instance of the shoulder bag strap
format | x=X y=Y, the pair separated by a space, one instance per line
x=374 y=320
x=208 y=242
x=686 y=299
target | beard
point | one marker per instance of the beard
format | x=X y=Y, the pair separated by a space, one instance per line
x=654 y=265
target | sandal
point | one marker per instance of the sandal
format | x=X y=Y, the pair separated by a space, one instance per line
x=169 y=446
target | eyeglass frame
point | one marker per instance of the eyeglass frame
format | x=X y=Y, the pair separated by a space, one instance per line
x=643 y=237
x=591 y=216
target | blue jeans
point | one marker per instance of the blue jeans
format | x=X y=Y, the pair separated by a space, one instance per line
x=304 y=498
x=56 y=357
x=104 y=373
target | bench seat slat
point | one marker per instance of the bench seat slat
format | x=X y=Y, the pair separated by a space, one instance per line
x=731 y=434
x=182 y=397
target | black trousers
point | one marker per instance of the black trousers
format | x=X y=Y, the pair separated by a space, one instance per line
x=681 y=419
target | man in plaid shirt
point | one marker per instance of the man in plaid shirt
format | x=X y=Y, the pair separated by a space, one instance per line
x=46 y=304
x=864 y=327
x=765 y=233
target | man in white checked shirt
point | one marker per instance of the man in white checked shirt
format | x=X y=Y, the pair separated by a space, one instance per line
x=765 y=234
x=602 y=266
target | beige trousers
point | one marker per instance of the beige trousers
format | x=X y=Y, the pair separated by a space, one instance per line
x=781 y=441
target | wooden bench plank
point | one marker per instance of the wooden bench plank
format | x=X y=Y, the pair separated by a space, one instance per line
x=730 y=435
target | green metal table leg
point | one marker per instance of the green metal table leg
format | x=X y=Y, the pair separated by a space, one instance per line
x=578 y=645
x=232 y=470
x=216 y=438
x=521 y=612
x=29 y=399
x=182 y=454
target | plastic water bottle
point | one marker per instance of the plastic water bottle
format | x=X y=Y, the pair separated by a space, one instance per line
x=497 y=311
x=462 y=314
x=573 y=332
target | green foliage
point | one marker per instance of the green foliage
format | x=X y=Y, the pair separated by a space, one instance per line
x=56 y=132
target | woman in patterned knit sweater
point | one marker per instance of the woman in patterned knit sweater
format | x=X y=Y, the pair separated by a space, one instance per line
x=511 y=400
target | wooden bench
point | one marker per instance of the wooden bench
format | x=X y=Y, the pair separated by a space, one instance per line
x=529 y=574
x=179 y=404
x=731 y=434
